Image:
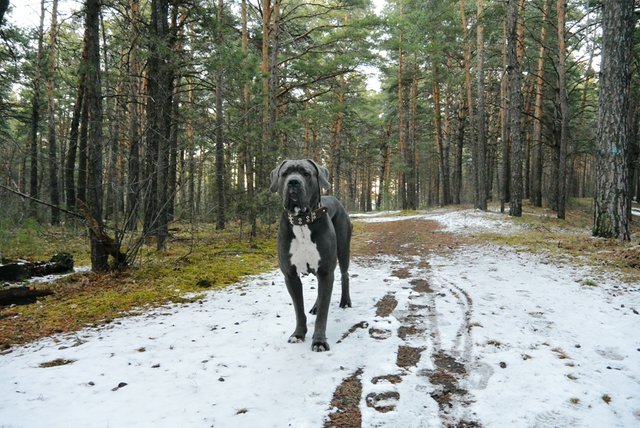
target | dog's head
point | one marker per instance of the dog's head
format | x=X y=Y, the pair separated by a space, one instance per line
x=299 y=183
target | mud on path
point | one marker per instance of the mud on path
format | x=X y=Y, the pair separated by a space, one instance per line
x=411 y=242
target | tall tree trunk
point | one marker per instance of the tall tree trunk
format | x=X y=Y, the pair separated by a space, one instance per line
x=443 y=145
x=99 y=253
x=457 y=174
x=220 y=199
x=160 y=91
x=505 y=185
x=385 y=166
x=133 y=165
x=402 y=187
x=54 y=193
x=515 y=109
x=612 y=181
x=191 y=149
x=466 y=112
x=72 y=149
x=481 y=143
x=337 y=135
x=261 y=168
x=249 y=147
x=166 y=81
x=564 y=113
x=35 y=117
x=536 y=166
x=174 y=132
x=412 y=152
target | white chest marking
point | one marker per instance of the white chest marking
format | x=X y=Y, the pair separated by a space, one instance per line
x=304 y=253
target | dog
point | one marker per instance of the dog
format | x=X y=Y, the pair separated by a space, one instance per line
x=314 y=235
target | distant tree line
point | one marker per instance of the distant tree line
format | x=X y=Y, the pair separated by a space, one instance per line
x=146 y=113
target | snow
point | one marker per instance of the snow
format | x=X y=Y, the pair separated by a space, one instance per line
x=539 y=349
x=461 y=221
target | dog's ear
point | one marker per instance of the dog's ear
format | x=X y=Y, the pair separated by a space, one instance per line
x=274 y=177
x=323 y=175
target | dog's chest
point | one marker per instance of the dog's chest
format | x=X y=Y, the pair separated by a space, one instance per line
x=304 y=252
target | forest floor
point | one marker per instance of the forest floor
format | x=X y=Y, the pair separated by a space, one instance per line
x=460 y=318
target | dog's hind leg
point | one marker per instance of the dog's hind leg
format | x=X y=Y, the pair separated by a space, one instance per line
x=344 y=253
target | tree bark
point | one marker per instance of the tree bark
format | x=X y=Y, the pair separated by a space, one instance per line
x=481 y=143
x=220 y=199
x=466 y=111
x=564 y=114
x=72 y=150
x=443 y=145
x=515 y=109
x=99 y=254
x=536 y=164
x=133 y=164
x=35 y=117
x=612 y=182
x=336 y=138
x=54 y=193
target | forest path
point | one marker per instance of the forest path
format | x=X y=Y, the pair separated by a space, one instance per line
x=496 y=337
x=431 y=323
x=443 y=332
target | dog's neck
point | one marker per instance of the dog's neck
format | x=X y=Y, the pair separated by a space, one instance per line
x=300 y=219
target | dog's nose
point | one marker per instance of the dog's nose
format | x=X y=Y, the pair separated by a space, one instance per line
x=294 y=183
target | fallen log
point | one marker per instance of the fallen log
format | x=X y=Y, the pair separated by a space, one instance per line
x=19 y=271
x=22 y=295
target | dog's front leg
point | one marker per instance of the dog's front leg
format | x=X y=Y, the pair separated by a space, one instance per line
x=294 y=286
x=325 y=287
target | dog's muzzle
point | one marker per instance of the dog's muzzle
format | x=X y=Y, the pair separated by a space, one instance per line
x=295 y=195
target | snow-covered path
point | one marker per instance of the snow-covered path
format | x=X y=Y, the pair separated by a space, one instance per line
x=482 y=335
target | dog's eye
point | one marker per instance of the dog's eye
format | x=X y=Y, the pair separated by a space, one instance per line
x=306 y=174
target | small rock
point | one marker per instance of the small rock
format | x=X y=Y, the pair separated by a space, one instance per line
x=503 y=365
x=578 y=345
x=220 y=379
x=155 y=366
x=92 y=383
x=204 y=283
x=120 y=385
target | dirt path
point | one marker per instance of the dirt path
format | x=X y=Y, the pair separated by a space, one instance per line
x=441 y=334
x=412 y=241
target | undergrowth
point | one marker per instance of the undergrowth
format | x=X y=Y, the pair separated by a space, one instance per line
x=570 y=240
x=195 y=260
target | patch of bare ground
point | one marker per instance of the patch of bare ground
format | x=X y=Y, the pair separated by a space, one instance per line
x=408 y=356
x=386 y=305
x=406 y=239
x=407 y=330
x=361 y=324
x=446 y=380
x=346 y=403
x=383 y=402
x=387 y=378
x=401 y=238
x=420 y=285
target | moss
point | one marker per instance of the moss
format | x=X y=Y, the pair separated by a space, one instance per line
x=36 y=242
x=159 y=278
x=569 y=241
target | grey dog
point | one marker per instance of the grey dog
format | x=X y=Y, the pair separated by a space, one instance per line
x=314 y=236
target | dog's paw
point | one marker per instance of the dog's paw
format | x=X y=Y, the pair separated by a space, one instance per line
x=295 y=339
x=319 y=346
x=345 y=303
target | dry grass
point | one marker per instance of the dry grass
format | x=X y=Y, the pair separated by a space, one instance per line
x=194 y=261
